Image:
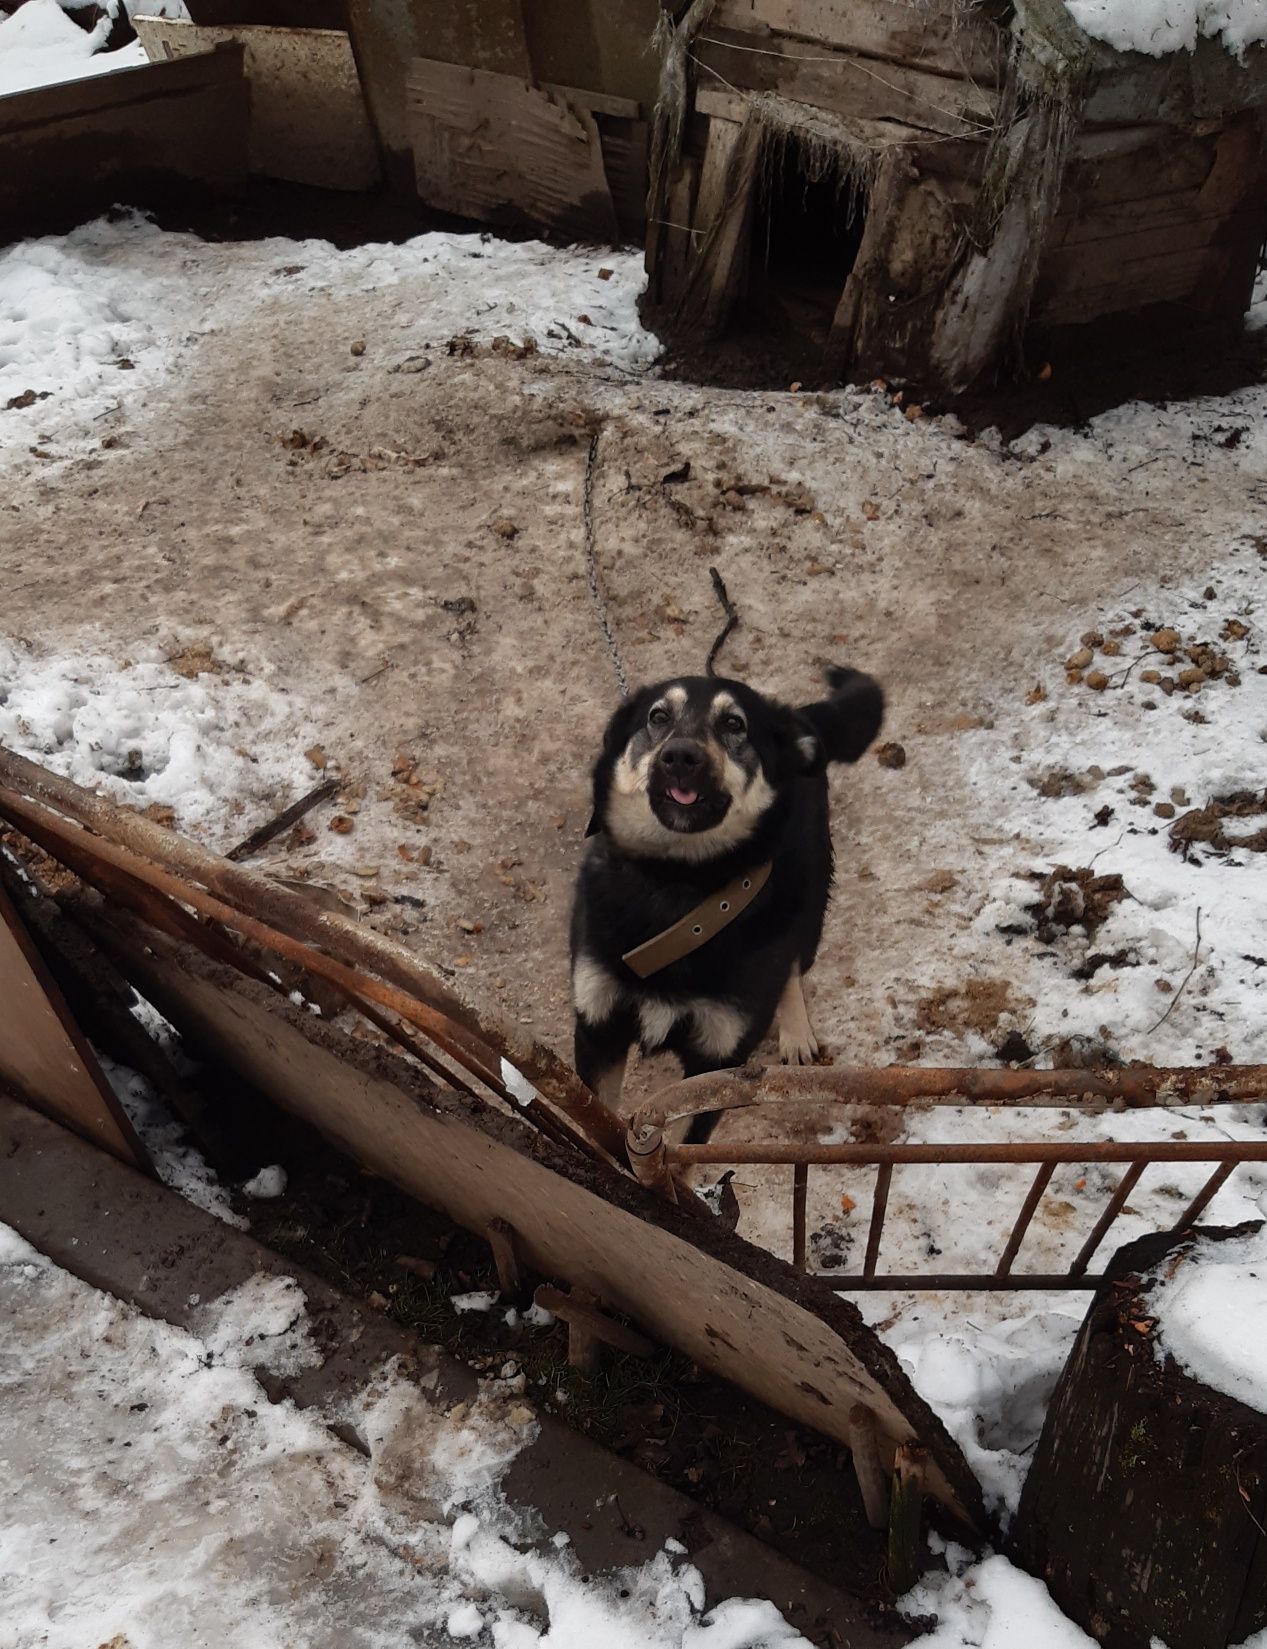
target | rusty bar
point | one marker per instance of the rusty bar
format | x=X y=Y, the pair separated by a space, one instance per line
x=1205 y=1196
x=1035 y=1196
x=299 y=918
x=1129 y=1180
x=602 y=1127
x=1105 y=1088
x=908 y=1282
x=883 y=1179
x=648 y=1156
x=800 y=1190
x=777 y=1151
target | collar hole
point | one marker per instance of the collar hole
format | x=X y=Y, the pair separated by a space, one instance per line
x=725 y=904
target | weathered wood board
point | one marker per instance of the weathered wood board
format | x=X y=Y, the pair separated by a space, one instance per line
x=735 y=1310
x=43 y=1055
x=70 y=150
x=484 y=34
x=1180 y=221
x=844 y=83
x=497 y=148
x=308 y=118
x=950 y=41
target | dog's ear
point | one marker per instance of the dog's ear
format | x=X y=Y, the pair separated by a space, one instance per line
x=616 y=736
x=848 y=721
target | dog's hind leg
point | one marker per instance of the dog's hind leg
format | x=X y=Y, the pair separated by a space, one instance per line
x=797 y=1043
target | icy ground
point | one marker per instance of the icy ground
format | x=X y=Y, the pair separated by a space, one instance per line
x=276 y=510
x=153 y=1495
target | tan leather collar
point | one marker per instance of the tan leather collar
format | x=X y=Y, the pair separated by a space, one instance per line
x=698 y=926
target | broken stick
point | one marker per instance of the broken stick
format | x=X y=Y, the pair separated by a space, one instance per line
x=283 y=821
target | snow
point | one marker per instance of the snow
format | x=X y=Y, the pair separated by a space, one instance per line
x=155 y=1495
x=1211 y=1310
x=74 y=307
x=989 y=1605
x=41 y=46
x=1156 y=27
x=269 y=1182
x=178 y=1163
x=209 y=747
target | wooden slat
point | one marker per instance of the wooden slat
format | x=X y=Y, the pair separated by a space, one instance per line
x=308 y=120
x=493 y=147
x=949 y=42
x=843 y=82
x=43 y=1054
x=744 y=1316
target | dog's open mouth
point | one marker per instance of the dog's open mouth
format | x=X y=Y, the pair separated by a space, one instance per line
x=682 y=808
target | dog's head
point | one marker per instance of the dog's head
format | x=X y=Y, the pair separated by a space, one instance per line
x=690 y=767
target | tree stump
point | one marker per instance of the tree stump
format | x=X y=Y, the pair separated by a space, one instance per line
x=1145 y=1509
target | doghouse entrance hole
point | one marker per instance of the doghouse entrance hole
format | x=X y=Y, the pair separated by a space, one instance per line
x=810 y=214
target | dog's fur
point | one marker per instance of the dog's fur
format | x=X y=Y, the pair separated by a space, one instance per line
x=757 y=770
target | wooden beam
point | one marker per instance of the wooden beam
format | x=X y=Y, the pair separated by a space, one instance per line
x=43 y=1054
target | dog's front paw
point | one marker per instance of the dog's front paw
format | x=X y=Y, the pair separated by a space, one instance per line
x=798 y=1047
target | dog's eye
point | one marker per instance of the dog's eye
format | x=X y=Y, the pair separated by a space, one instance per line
x=659 y=717
x=733 y=724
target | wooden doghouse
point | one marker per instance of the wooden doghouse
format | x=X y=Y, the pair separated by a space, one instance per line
x=909 y=183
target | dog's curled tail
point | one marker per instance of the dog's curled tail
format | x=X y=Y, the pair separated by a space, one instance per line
x=847 y=721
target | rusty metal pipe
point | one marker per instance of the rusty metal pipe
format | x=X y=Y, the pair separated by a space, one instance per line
x=718 y=1153
x=297 y=917
x=1105 y=1088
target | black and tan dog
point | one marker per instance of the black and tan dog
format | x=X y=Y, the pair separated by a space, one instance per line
x=701 y=900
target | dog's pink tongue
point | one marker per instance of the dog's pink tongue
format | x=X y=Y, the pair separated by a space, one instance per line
x=684 y=797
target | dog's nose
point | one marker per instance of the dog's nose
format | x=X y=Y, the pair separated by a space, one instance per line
x=681 y=759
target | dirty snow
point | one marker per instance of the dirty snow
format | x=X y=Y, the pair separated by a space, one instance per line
x=1156 y=27
x=90 y=318
x=990 y=1604
x=215 y=748
x=1211 y=1311
x=41 y=46
x=155 y=1495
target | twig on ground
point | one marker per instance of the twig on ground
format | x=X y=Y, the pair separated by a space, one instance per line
x=1174 y=1001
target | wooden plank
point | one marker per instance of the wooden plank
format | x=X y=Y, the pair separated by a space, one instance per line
x=1121 y=289
x=73 y=150
x=719 y=153
x=949 y=41
x=493 y=147
x=43 y=1054
x=844 y=83
x=598 y=103
x=723 y=259
x=742 y=1314
x=386 y=38
x=308 y=118
x=625 y=153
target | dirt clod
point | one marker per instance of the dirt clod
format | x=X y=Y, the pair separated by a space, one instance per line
x=891 y=755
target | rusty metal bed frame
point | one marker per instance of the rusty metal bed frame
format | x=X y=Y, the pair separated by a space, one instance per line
x=653 y=1156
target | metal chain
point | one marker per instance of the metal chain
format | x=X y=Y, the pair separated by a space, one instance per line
x=591 y=565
